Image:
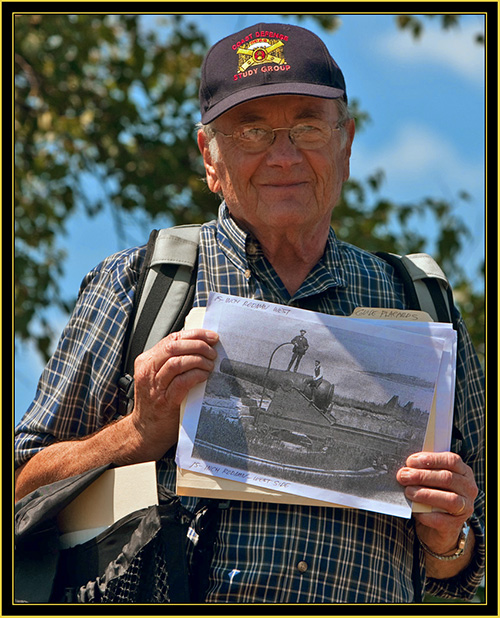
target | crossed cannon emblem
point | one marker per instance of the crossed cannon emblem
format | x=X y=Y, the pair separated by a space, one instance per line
x=260 y=55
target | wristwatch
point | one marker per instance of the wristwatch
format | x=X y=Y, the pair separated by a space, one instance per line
x=462 y=542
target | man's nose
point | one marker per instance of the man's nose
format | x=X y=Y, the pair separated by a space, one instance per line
x=283 y=151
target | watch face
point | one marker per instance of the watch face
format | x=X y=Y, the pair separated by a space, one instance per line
x=463 y=535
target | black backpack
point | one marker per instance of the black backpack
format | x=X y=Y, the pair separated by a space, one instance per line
x=140 y=558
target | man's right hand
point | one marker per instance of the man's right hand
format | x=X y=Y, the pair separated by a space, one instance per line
x=163 y=376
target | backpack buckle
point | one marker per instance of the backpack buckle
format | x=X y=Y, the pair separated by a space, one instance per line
x=126 y=387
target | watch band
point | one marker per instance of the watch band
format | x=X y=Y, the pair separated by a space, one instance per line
x=462 y=542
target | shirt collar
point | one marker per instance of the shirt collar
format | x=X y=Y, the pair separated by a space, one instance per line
x=231 y=239
x=244 y=252
x=328 y=272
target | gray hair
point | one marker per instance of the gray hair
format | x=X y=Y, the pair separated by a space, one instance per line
x=209 y=131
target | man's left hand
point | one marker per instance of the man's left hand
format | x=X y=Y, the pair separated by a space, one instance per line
x=445 y=482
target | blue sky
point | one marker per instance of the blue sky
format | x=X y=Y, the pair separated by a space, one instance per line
x=426 y=100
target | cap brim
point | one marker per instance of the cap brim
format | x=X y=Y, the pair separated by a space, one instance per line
x=267 y=90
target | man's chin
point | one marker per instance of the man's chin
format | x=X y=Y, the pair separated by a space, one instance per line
x=291 y=212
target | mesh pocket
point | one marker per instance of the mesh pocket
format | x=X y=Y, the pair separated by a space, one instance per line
x=145 y=580
x=138 y=560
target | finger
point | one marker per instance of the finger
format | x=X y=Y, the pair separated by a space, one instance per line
x=438 y=461
x=199 y=333
x=182 y=343
x=444 y=479
x=174 y=378
x=450 y=503
x=179 y=365
x=179 y=387
x=175 y=393
x=186 y=342
x=450 y=499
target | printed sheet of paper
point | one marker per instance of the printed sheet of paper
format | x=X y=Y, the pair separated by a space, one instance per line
x=266 y=420
x=438 y=435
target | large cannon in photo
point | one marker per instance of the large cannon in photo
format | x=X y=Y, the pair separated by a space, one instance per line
x=295 y=409
x=296 y=412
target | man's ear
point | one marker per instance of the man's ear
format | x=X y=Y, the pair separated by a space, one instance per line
x=210 y=169
x=351 y=129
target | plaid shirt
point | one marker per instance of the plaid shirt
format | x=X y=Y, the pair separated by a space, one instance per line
x=263 y=552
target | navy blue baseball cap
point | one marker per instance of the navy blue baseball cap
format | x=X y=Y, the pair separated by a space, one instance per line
x=265 y=60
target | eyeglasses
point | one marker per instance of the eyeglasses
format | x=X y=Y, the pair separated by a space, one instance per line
x=257 y=138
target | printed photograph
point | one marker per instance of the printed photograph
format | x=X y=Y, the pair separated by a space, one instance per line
x=325 y=407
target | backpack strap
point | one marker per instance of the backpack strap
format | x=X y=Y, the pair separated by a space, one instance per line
x=208 y=512
x=164 y=296
x=426 y=286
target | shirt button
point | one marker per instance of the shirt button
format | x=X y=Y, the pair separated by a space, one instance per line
x=248 y=273
x=302 y=566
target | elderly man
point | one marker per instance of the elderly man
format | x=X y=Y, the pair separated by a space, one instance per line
x=276 y=142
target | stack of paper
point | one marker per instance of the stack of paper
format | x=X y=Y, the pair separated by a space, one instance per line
x=262 y=428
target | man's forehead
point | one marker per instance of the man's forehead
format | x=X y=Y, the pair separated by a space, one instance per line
x=295 y=106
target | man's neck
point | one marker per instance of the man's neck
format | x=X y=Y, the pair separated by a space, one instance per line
x=294 y=257
x=291 y=250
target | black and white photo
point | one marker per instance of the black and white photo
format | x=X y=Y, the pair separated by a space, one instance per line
x=336 y=427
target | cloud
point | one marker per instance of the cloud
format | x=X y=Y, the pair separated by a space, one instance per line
x=419 y=157
x=418 y=163
x=454 y=49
